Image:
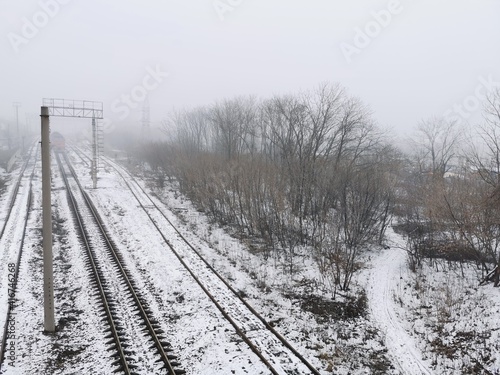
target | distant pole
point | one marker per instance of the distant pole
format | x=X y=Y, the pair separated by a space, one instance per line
x=48 y=277
x=17 y=105
x=94 y=153
x=9 y=141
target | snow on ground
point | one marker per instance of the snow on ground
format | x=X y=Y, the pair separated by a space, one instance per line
x=80 y=333
x=203 y=340
x=386 y=271
x=11 y=240
x=437 y=320
x=347 y=345
x=455 y=321
x=6 y=193
x=432 y=322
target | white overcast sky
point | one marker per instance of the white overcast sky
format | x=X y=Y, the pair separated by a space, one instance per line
x=421 y=61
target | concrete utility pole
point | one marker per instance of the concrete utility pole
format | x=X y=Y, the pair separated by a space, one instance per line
x=48 y=275
x=62 y=108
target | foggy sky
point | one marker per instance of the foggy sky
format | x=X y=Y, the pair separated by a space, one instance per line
x=407 y=59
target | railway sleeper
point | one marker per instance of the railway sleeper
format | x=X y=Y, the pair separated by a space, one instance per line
x=147 y=312
x=131 y=365
x=117 y=268
x=93 y=282
x=137 y=312
x=112 y=309
x=119 y=369
x=134 y=307
x=112 y=348
x=109 y=300
x=88 y=264
x=130 y=299
x=116 y=362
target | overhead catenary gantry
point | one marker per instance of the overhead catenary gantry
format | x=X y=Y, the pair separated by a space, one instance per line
x=60 y=108
x=80 y=109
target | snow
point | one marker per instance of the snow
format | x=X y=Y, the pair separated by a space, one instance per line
x=386 y=270
x=412 y=323
x=11 y=240
x=453 y=320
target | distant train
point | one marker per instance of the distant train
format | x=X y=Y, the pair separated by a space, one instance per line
x=57 y=142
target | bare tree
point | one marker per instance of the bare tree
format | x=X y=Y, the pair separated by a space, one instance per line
x=158 y=156
x=190 y=130
x=437 y=143
x=288 y=168
x=233 y=126
x=481 y=225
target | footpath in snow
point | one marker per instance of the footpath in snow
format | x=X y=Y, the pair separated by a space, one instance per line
x=383 y=280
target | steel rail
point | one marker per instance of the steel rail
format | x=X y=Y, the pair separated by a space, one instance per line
x=20 y=251
x=117 y=259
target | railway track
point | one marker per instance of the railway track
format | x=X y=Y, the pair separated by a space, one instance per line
x=134 y=334
x=9 y=255
x=272 y=348
x=16 y=188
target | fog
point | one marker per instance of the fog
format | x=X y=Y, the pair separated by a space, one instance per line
x=407 y=60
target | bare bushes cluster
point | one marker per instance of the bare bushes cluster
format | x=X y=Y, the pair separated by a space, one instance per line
x=452 y=200
x=307 y=169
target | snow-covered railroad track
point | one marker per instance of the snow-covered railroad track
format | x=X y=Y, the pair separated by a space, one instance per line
x=273 y=350
x=133 y=332
x=11 y=246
